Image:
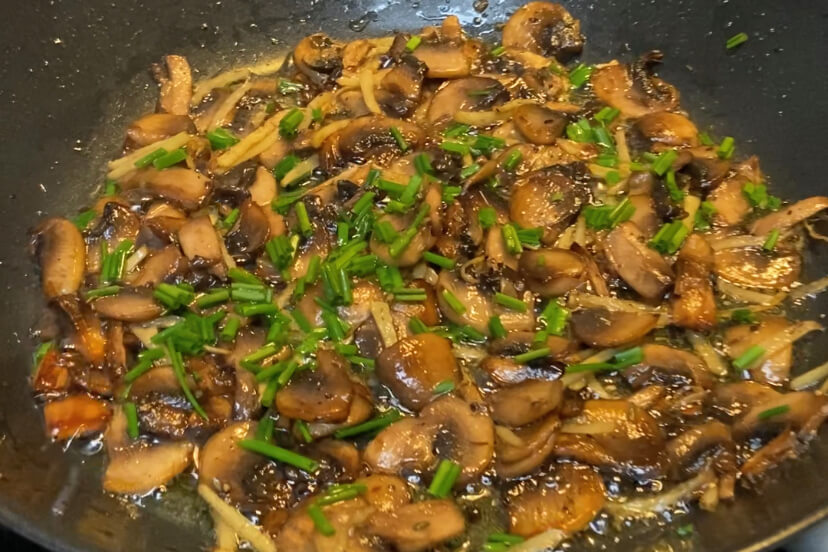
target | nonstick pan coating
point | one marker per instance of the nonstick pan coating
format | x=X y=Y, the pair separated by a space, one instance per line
x=73 y=74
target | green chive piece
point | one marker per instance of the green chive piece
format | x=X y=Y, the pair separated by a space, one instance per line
x=664 y=162
x=534 y=354
x=178 y=369
x=775 y=411
x=511 y=238
x=341 y=492
x=455 y=147
x=401 y=243
x=770 y=242
x=439 y=260
x=320 y=521
x=443 y=387
x=453 y=302
x=230 y=329
x=289 y=124
x=450 y=193
x=630 y=357
x=413 y=43
x=704 y=215
x=512 y=160
x=131 y=414
x=221 y=138
x=757 y=195
x=363 y=203
x=743 y=316
x=317 y=115
x=289 y=87
x=554 y=317
x=101 y=292
x=399 y=138
x=470 y=170
x=243 y=276
x=750 y=356
x=669 y=238
x=84 y=218
x=579 y=75
x=423 y=164
x=301 y=321
x=685 y=531
x=280 y=454
x=506 y=538
x=374 y=424
x=496 y=327
x=606 y=114
x=169 y=159
x=302 y=216
x=487 y=217
x=726 y=148
x=444 y=478
x=284 y=166
x=589 y=367
x=456 y=130
x=147 y=160
x=264 y=430
x=510 y=302
x=736 y=40
x=230 y=219
x=497 y=51
x=302 y=429
x=111 y=188
x=487 y=144
x=213 y=298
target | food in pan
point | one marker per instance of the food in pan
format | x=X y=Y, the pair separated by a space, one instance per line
x=421 y=292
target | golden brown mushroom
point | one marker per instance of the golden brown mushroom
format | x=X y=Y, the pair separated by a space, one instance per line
x=544 y=28
x=62 y=256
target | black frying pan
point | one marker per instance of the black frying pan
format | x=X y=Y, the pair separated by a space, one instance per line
x=73 y=74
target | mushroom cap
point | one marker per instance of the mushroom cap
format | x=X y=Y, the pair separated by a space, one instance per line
x=61 y=254
x=547 y=199
x=640 y=266
x=600 y=327
x=320 y=395
x=368 y=139
x=544 y=28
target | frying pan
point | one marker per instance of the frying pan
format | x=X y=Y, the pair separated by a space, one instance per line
x=73 y=74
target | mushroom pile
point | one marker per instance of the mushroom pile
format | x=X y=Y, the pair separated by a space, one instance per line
x=362 y=291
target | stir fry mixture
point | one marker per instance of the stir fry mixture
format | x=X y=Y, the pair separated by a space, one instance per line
x=425 y=293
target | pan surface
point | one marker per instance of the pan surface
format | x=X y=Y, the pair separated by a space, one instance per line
x=73 y=74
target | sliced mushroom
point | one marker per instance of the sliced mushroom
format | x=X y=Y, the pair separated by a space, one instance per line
x=200 y=243
x=413 y=367
x=642 y=267
x=368 y=139
x=176 y=86
x=604 y=328
x=753 y=267
x=634 y=92
x=525 y=402
x=552 y=272
x=774 y=370
x=61 y=253
x=411 y=255
x=89 y=337
x=321 y=395
x=544 y=28
x=222 y=464
x=154 y=127
x=128 y=306
x=567 y=499
x=789 y=215
x=706 y=169
x=401 y=86
x=75 y=416
x=157 y=267
x=668 y=365
x=686 y=452
x=668 y=129
x=469 y=94
x=386 y=493
x=693 y=302
x=251 y=233
x=801 y=411
x=180 y=185
x=522 y=451
x=730 y=203
x=443 y=59
x=418 y=526
x=546 y=199
x=318 y=57
x=478 y=307
x=263 y=189
x=539 y=124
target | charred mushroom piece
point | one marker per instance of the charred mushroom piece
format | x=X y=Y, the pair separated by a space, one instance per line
x=367 y=139
x=469 y=94
x=730 y=203
x=789 y=215
x=402 y=86
x=183 y=186
x=75 y=416
x=693 y=302
x=201 y=244
x=634 y=92
x=642 y=267
x=89 y=337
x=477 y=307
x=524 y=450
x=544 y=28
x=802 y=411
x=223 y=465
x=775 y=369
x=600 y=327
x=176 y=86
x=252 y=232
x=157 y=267
x=686 y=452
x=525 y=402
x=552 y=272
x=754 y=267
x=443 y=59
x=546 y=199
x=568 y=500
x=413 y=367
x=318 y=57
x=539 y=124
x=668 y=129
x=321 y=395
x=418 y=526
x=154 y=127
x=61 y=253
x=128 y=306
x=667 y=365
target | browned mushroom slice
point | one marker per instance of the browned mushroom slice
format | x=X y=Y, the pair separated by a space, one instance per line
x=89 y=337
x=753 y=267
x=321 y=395
x=263 y=189
x=634 y=92
x=478 y=307
x=413 y=367
x=407 y=444
x=567 y=499
x=164 y=220
x=386 y=493
x=546 y=199
x=774 y=370
x=469 y=94
x=801 y=411
x=789 y=215
x=368 y=139
x=411 y=255
x=75 y=416
x=544 y=28
x=552 y=272
x=539 y=124
x=666 y=366
x=318 y=57
x=137 y=467
x=668 y=129
x=128 y=306
x=427 y=311
x=180 y=185
x=736 y=398
x=418 y=526
x=223 y=465
x=730 y=203
x=641 y=267
x=361 y=410
x=693 y=303
x=401 y=86
x=616 y=435
x=252 y=232
x=200 y=243
x=61 y=254
x=519 y=342
x=176 y=86
x=52 y=372
x=156 y=126
x=604 y=328
x=525 y=402
x=444 y=59
x=522 y=451
x=687 y=452
x=157 y=267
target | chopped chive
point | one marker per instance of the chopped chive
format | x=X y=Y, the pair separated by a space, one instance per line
x=513 y=160
x=302 y=216
x=487 y=217
x=213 y=298
x=450 y=193
x=111 y=188
x=496 y=327
x=630 y=357
x=101 y=292
x=338 y=493
x=301 y=321
x=606 y=114
x=423 y=164
x=770 y=242
x=775 y=411
x=392 y=188
x=411 y=189
x=455 y=147
x=413 y=42
x=530 y=237
x=497 y=51
x=757 y=195
x=317 y=115
x=230 y=219
x=401 y=243
x=147 y=160
x=320 y=522
x=363 y=203
x=506 y=538
x=444 y=478
x=669 y=237
x=280 y=251
x=169 y=159
x=40 y=352
x=410 y=295
x=84 y=218
x=664 y=162
x=373 y=424
x=590 y=367
x=439 y=260
x=487 y=144
x=705 y=139
x=685 y=531
x=284 y=166
x=241 y=275
x=456 y=130
x=736 y=40
x=262 y=353
x=743 y=316
x=511 y=238
x=510 y=302
x=579 y=75
x=366 y=363
x=280 y=454
x=453 y=302
x=290 y=123
x=726 y=148
x=534 y=354
x=230 y=329
x=289 y=87
x=264 y=430
x=221 y=138
x=284 y=377
x=132 y=419
x=266 y=374
x=675 y=193
x=417 y=326
x=554 y=317
x=180 y=375
x=750 y=356
x=303 y=430
x=399 y=138
x=469 y=170
x=704 y=215
x=443 y=387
